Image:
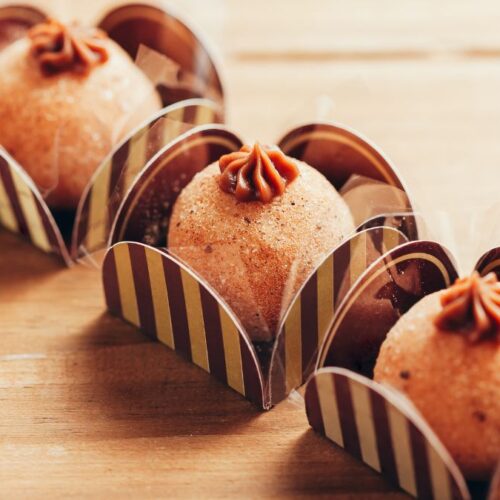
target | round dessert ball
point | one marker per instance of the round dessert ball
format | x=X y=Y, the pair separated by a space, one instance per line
x=60 y=126
x=256 y=254
x=454 y=382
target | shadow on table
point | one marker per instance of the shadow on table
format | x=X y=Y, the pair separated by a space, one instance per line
x=136 y=387
x=312 y=453
x=20 y=262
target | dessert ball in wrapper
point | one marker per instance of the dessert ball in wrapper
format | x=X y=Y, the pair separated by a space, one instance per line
x=67 y=95
x=444 y=354
x=254 y=226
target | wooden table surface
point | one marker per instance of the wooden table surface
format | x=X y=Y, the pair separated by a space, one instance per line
x=90 y=407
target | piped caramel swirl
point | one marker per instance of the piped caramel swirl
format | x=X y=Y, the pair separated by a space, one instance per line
x=256 y=173
x=472 y=307
x=59 y=48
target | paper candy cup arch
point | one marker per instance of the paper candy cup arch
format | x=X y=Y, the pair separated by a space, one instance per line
x=308 y=318
x=380 y=427
x=338 y=152
x=23 y=210
x=192 y=70
x=489 y=263
x=155 y=292
x=111 y=181
x=166 y=174
x=388 y=288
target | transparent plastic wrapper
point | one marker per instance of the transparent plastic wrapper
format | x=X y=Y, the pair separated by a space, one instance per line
x=62 y=196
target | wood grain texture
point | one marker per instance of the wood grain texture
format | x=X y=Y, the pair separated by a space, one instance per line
x=90 y=407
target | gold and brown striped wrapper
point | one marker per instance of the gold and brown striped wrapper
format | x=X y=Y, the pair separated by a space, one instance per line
x=154 y=292
x=23 y=210
x=379 y=427
x=338 y=153
x=310 y=315
x=489 y=263
x=148 y=202
x=115 y=176
x=388 y=289
x=151 y=25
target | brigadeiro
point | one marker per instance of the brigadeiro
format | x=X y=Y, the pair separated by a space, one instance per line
x=67 y=95
x=444 y=354
x=255 y=225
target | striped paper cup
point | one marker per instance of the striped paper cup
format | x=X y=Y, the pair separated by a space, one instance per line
x=375 y=423
x=153 y=290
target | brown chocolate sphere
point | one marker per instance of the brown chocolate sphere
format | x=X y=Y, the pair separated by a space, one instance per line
x=257 y=254
x=59 y=125
x=452 y=378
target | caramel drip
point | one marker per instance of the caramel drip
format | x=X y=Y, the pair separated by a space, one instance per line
x=258 y=173
x=59 y=48
x=472 y=306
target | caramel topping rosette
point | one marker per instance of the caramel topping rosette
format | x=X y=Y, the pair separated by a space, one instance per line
x=258 y=173
x=59 y=48
x=472 y=307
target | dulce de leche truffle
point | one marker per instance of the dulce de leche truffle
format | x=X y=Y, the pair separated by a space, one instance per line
x=254 y=225
x=444 y=354
x=67 y=95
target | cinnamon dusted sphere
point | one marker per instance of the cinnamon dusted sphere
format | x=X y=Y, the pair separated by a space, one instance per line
x=67 y=96
x=256 y=231
x=448 y=365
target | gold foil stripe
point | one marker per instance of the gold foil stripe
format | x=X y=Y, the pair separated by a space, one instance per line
x=363 y=417
x=204 y=115
x=363 y=150
x=98 y=210
x=401 y=444
x=326 y=286
x=161 y=305
x=492 y=265
x=136 y=158
x=232 y=352
x=126 y=284
x=357 y=263
x=32 y=216
x=329 y=408
x=221 y=141
x=293 y=347
x=196 y=325
x=390 y=239
x=7 y=215
x=373 y=277
x=441 y=486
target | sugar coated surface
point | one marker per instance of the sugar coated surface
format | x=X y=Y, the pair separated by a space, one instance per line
x=61 y=127
x=257 y=255
x=455 y=384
